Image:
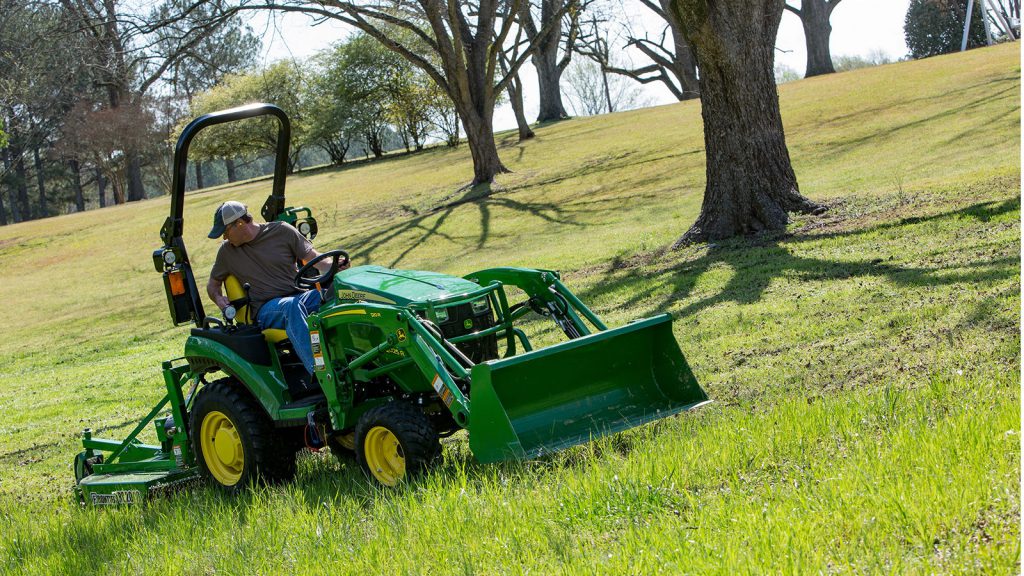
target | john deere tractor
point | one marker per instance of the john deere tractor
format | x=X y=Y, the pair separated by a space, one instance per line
x=402 y=359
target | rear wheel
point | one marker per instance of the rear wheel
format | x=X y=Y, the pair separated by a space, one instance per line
x=233 y=439
x=394 y=442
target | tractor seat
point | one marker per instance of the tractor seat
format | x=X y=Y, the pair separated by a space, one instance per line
x=235 y=292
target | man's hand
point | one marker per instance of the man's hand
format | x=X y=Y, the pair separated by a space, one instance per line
x=323 y=266
x=213 y=290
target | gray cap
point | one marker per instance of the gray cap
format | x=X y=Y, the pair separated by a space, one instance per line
x=226 y=213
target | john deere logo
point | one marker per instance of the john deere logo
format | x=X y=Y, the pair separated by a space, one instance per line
x=401 y=335
x=468 y=323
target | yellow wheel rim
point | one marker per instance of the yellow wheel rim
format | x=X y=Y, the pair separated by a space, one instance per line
x=222 y=448
x=384 y=455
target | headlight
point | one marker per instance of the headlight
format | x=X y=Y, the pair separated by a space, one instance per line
x=169 y=257
x=480 y=306
x=304 y=228
x=441 y=315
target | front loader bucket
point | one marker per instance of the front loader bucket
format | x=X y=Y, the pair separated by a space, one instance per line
x=570 y=393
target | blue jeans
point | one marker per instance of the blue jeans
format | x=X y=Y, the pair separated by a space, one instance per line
x=290 y=314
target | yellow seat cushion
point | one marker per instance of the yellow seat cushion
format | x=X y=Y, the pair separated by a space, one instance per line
x=235 y=291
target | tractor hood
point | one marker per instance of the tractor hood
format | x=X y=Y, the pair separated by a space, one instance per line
x=402 y=287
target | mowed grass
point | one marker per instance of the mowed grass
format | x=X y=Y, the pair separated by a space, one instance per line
x=865 y=366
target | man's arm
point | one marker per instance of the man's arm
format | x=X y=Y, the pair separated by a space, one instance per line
x=324 y=265
x=214 y=291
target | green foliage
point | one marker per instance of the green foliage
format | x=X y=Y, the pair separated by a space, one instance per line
x=282 y=83
x=934 y=27
x=853 y=62
x=865 y=367
x=364 y=92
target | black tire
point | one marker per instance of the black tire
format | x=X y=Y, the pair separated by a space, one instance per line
x=228 y=408
x=342 y=450
x=395 y=433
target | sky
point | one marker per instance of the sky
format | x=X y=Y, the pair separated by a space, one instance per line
x=859 y=27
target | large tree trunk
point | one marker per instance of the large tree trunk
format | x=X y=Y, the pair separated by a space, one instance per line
x=40 y=183
x=229 y=165
x=480 y=135
x=546 y=61
x=814 y=14
x=549 y=80
x=751 y=185
x=76 y=184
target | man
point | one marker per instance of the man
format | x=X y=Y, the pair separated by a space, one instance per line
x=265 y=256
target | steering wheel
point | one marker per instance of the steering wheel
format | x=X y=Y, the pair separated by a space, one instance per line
x=338 y=258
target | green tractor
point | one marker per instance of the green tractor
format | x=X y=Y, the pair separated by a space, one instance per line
x=403 y=358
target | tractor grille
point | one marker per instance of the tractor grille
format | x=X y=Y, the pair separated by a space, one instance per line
x=477 y=350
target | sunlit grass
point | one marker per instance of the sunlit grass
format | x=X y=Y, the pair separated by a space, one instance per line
x=865 y=367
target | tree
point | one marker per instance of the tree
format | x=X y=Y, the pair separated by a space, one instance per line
x=593 y=89
x=101 y=136
x=282 y=83
x=41 y=76
x=672 y=61
x=751 y=186
x=815 y=15
x=232 y=50
x=515 y=87
x=462 y=39
x=552 y=51
x=934 y=27
x=130 y=51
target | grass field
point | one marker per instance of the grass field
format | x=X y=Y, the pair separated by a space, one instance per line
x=865 y=366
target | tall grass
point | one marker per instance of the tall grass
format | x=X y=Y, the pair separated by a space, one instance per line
x=865 y=366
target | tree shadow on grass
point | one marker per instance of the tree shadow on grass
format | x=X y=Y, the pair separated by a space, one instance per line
x=429 y=224
x=840 y=147
x=757 y=262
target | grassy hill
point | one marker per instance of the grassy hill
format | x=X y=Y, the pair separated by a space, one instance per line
x=865 y=366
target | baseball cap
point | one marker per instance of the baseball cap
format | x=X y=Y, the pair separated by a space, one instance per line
x=226 y=213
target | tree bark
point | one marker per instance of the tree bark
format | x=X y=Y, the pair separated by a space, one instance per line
x=136 y=191
x=76 y=185
x=7 y=170
x=101 y=188
x=40 y=183
x=480 y=135
x=549 y=83
x=229 y=165
x=684 y=66
x=751 y=185
x=515 y=96
x=199 y=175
x=21 y=182
x=814 y=15
x=546 y=62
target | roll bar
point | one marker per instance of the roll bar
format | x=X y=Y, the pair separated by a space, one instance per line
x=172 y=227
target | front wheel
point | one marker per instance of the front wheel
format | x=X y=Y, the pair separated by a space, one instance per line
x=233 y=439
x=395 y=441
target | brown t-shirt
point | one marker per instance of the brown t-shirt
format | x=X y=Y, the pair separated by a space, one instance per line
x=267 y=262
